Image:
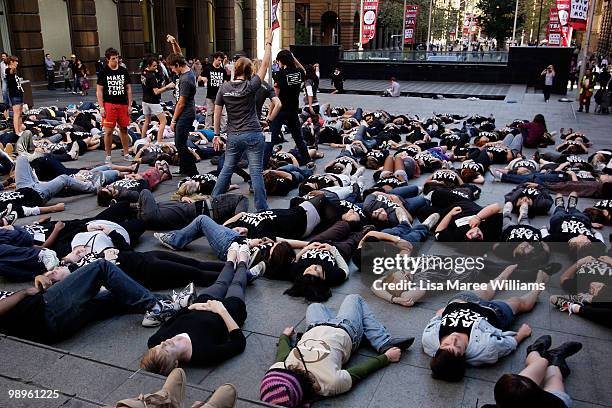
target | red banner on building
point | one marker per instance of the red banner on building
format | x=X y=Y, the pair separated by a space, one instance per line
x=410 y=21
x=554 y=28
x=368 y=22
x=563 y=10
x=274 y=6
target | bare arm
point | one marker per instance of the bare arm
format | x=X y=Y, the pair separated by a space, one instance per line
x=265 y=63
x=174 y=44
x=10 y=302
x=489 y=211
x=100 y=98
x=128 y=89
x=217 y=118
x=234 y=218
x=276 y=106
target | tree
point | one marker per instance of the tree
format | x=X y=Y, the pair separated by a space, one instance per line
x=391 y=14
x=497 y=19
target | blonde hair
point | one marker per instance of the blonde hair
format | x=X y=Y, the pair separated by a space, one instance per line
x=243 y=67
x=156 y=361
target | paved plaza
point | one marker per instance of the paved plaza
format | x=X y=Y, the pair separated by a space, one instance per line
x=97 y=366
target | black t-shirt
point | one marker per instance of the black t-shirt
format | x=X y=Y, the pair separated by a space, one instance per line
x=149 y=83
x=324 y=180
x=446 y=176
x=115 y=82
x=459 y=224
x=26 y=320
x=186 y=87
x=390 y=181
x=569 y=227
x=529 y=164
x=286 y=223
x=459 y=317
x=345 y=206
x=210 y=340
x=477 y=167
x=215 y=78
x=266 y=91
x=40 y=232
x=521 y=233
x=284 y=186
x=26 y=197
x=603 y=204
x=334 y=276
x=289 y=82
x=375 y=201
x=206 y=182
x=500 y=154
x=13 y=82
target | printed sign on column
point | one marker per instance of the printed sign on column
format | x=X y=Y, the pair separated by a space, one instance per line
x=368 y=24
x=410 y=21
x=554 y=28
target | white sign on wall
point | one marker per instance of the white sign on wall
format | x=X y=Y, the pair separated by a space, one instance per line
x=579 y=9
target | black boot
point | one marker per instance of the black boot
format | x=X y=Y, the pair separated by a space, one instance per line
x=541 y=345
x=557 y=356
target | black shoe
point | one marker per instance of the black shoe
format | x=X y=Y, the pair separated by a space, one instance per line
x=557 y=356
x=215 y=160
x=541 y=345
x=580 y=110
x=551 y=268
x=572 y=201
x=559 y=201
x=402 y=343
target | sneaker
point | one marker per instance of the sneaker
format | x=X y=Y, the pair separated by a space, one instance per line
x=402 y=343
x=572 y=200
x=563 y=302
x=9 y=215
x=256 y=271
x=559 y=201
x=74 y=151
x=244 y=254
x=523 y=212
x=164 y=239
x=185 y=297
x=172 y=393
x=431 y=221
x=128 y=157
x=507 y=209
x=496 y=175
x=163 y=310
x=108 y=160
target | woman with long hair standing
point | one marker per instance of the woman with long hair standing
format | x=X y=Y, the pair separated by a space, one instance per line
x=15 y=91
x=244 y=131
x=311 y=87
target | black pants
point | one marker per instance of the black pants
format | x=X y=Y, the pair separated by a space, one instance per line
x=49 y=167
x=600 y=313
x=182 y=128
x=229 y=283
x=292 y=121
x=547 y=91
x=163 y=269
x=340 y=236
x=50 y=80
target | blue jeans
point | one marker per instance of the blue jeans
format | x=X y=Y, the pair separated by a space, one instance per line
x=361 y=136
x=76 y=301
x=253 y=144
x=110 y=175
x=539 y=178
x=24 y=177
x=292 y=121
x=355 y=317
x=5 y=93
x=219 y=237
x=407 y=232
x=183 y=126
x=409 y=195
x=298 y=173
x=561 y=213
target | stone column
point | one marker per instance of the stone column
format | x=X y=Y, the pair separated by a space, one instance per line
x=250 y=28
x=224 y=26
x=130 y=32
x=287 y=19
x=84 y=31
x=165 y=23
x=201 y=38
x=26 y=38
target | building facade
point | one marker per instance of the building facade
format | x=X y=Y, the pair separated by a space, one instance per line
x=31 y=28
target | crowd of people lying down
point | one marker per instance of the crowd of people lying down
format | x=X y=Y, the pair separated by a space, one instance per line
x=425 y=183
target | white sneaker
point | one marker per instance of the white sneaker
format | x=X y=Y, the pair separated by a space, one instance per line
x=128 y=157
x=432 y=220
x=507 y=209
x=256 y=271
x=185 y=297
x=108 y=160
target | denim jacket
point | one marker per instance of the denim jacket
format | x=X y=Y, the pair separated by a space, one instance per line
x=487 y=343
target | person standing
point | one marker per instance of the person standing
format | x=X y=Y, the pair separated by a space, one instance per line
x=214 y=75
x=50 y=72
x=587 y=86
x=337 y=80
x=151 y=98
x=114 y=93
x=66 y=73
x=549 y=77
x=15 y=92
x=244 y=132
x=3 y=67
x=289 y=81
x=184 y=111
x=604 y=78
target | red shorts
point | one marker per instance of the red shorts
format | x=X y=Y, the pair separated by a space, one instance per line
x=115 y=114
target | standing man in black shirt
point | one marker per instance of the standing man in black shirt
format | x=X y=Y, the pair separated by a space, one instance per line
x=289 y=81
x=114 y=93
x=214 y=75
x=151 y=98
x=184 y=112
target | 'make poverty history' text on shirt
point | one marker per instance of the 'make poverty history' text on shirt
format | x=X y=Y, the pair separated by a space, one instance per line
x=114 y=82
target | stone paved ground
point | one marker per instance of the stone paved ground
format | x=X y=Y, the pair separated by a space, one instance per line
x=97 y=366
